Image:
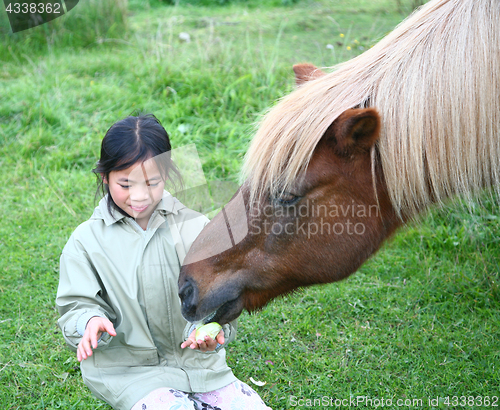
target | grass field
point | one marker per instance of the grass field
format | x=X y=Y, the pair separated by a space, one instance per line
x=419 y=321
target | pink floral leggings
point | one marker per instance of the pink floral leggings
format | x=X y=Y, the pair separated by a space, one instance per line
x=235 y=396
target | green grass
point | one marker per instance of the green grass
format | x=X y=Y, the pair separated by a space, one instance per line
x=419 y=320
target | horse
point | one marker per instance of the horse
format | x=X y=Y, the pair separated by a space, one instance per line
x=350 y=156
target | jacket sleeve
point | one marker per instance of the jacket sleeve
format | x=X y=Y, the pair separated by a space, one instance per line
x=79 y=296
x=229 y=333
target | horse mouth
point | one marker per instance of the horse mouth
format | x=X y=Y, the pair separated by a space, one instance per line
x=209 y=318
x=222 y=306
x=225 y=313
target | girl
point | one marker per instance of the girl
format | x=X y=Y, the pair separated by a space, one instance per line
x=117 y=293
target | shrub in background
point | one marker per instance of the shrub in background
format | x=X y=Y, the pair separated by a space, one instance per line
x=90 y=22
x=206 y=3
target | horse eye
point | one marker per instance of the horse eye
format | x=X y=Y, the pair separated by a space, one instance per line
x=286 y=199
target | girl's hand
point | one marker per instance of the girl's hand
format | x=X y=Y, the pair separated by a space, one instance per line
x=93 y=331
x=206 y=345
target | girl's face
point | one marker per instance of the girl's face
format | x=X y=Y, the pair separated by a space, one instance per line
x=137 y=190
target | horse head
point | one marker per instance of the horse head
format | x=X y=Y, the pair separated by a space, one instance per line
x=318 y=230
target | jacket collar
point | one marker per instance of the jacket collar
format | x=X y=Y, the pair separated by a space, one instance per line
x=167 y=205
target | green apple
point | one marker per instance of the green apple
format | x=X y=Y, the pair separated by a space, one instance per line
x=210 y=329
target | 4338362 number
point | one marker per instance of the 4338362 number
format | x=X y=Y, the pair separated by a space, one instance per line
x=471 y=401
x=32 y=8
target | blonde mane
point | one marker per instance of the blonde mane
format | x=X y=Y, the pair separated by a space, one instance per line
x=435 y=81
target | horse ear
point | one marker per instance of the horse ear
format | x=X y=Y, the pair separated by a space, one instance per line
x=355 y=131
x=306 y=72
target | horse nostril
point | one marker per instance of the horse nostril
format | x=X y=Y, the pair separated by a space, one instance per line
x=187 y=293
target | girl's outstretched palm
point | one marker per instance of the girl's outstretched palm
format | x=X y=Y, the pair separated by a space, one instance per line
x=206 y=345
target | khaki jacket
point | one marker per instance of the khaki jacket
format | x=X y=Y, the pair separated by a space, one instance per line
x=111 y=267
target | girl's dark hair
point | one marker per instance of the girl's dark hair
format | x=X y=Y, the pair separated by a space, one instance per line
x=134 y=139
